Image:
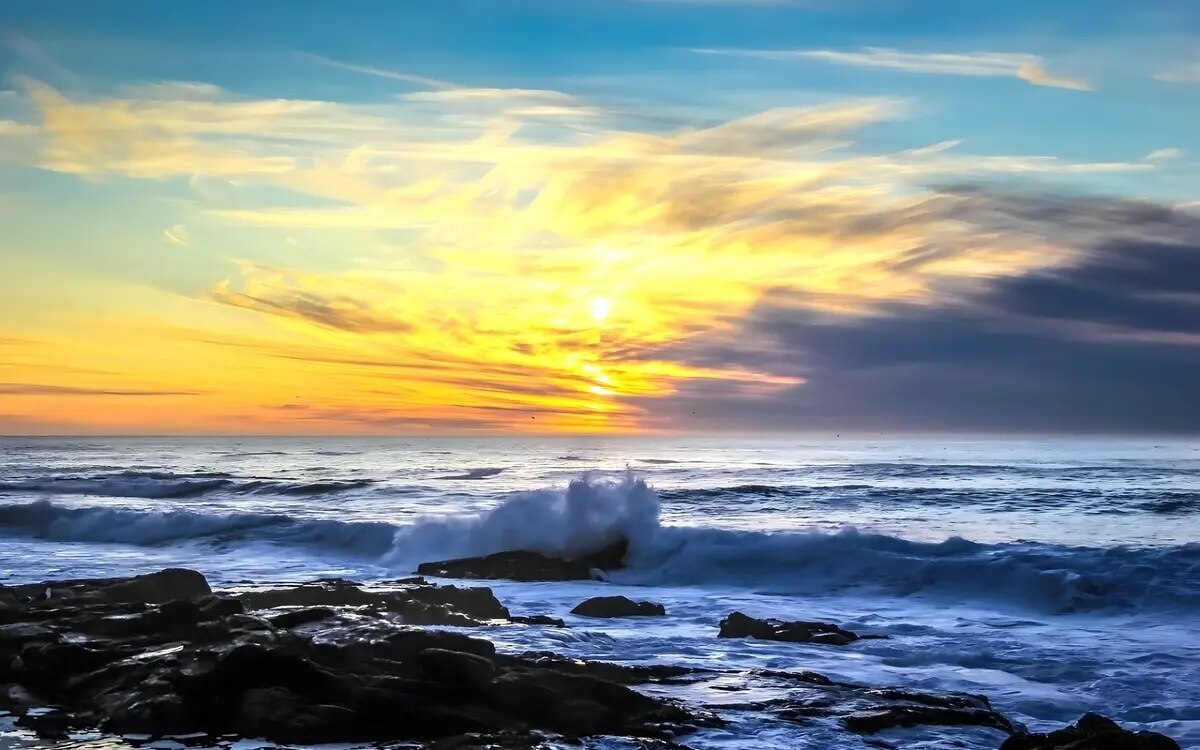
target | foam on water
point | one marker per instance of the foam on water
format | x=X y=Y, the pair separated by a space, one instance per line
x=591 y=513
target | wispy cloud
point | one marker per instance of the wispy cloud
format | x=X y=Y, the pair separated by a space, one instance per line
x=1166 y=154
x=508 y=233
x=392 y=75
x=1187 y=73
x=176 y=235
x=1026 y=67
x=38 y=389
x=332 y=311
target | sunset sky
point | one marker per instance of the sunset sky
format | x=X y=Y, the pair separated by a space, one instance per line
x=584 y=216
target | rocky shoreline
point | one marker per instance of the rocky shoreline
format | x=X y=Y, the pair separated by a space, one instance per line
x=335 y=661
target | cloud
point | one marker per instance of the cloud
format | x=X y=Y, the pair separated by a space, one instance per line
x=1187 y=73
x=1166 y=154
x=1037 y=75
x=176 y=235
x=392 y=75
x=506 y=227
x=38 y=389
x=1029 y=68
x=331 y=311
x=1106 y=340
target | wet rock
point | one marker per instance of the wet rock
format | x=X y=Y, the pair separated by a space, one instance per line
x=1091 y=732
x=523 y=565
x=416 y=604
x=876 y=720
x=738 y=625
x=299 y=616
x=537 y=620
x=624 y=674
x=617 y=606
x=153 y=588
x=198 y=665
x=471 y=671
x=863 y=709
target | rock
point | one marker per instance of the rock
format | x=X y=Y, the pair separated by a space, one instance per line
x=294 y=618
x=416 y=604
x=738 y=625
x=624 y=674
x=471 y=671
x=153 y=588
x=199 y=664
x=617 y=606
x=282 y=716
x=1091 y=732
x=537 y=620
x=875 y=720
x=523 y=565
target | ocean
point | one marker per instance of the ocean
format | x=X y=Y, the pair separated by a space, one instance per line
x=1055 y=576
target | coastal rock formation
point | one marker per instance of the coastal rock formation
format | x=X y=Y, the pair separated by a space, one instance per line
x=203 y=664
x=738 y=625
x=617 y=606
x=553 y=622
x=866 y=710
x=1091 y=732
x=523 y=565
x=416 y=603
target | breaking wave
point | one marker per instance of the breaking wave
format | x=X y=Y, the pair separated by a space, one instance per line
x=155 y=485
x=591 y=513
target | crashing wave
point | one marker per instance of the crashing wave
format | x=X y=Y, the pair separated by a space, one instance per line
x=592 y=513
x=160 y=485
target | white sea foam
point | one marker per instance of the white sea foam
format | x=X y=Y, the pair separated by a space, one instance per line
x=592 y=513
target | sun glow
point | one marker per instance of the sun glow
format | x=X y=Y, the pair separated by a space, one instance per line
x=601 y=308
x=416 y=265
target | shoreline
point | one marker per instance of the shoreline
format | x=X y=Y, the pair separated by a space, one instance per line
x=302 y=663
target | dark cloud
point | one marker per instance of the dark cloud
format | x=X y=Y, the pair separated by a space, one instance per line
x=1109 y=341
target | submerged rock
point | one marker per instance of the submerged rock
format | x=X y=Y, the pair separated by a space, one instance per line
x=738 y=625
x=1091 y=732
x=617 y=606
x=199 y=665
x=866 y=710
x=524 y=565
x=553 y=622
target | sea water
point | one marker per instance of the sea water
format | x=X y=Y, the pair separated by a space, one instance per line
x=1055 y=576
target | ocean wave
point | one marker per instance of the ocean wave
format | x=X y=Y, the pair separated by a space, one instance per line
x=591 y=513
x=482 y=473
x=47 y=520
x=159 y=485
x=909 y=470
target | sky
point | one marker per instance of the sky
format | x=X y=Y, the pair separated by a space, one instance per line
x=599 y=216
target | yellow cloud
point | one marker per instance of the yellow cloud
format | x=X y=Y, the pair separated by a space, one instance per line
x=540 y=280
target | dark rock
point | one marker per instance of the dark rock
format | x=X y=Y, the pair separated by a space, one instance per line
x=624 y=674
x=284 y=717
x=199 y=664
x=875 y=720
x=418 y=604
x=471 y=671
x=617 y=606
x=153 y=588
x=523 y=565
x=294 y=618
x=537 y=620
x=738 y=625
x=1091 y=732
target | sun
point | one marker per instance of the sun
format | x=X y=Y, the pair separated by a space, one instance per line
x=601 y=307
